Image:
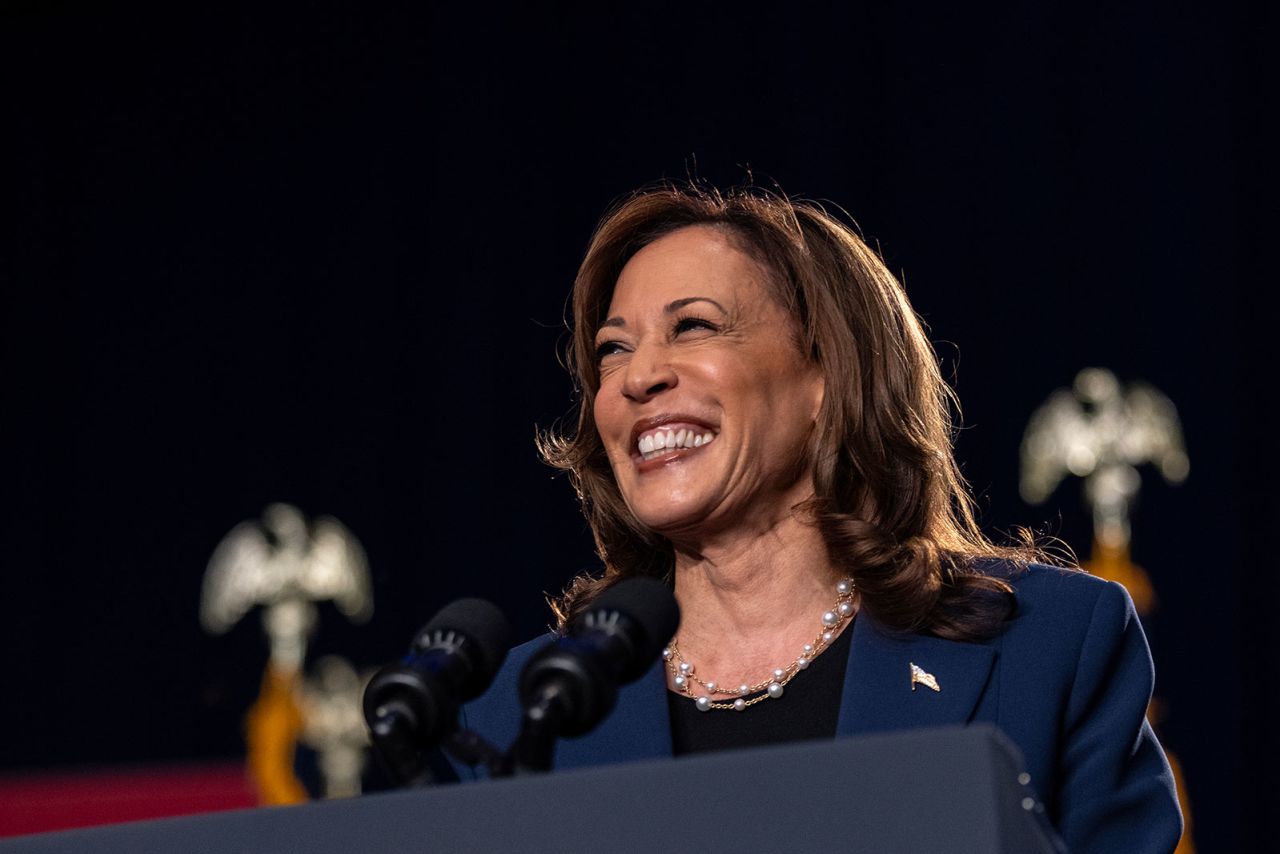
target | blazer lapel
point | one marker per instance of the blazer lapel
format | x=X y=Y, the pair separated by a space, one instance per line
x=878 y=688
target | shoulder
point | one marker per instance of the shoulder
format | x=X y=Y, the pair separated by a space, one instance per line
x=504 y=689
x=1068 y=623
x=1095 y=626
x=1035 y=577
x=518 y=656
x=1058 y=599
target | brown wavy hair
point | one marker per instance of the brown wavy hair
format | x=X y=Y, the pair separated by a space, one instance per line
x=891 y=505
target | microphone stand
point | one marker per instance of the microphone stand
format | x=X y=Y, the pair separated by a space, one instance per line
x=392 y=732
x=541 y=725
x=409 y=764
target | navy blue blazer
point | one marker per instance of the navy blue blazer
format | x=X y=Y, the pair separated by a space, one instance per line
x=1068 y=681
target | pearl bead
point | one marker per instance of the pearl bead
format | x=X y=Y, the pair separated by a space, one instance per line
x=686 y=667
x=775 y=690
x=666 y=654
x=703 y=703
x=808 y=648
x=744 y=688
x=828 y=618
x=844 y=587
x=739 y=704
x=802 y=663
x=779 y=673
x=845 y=609
x=711 y=686
x=680 y=681
x=827 y=636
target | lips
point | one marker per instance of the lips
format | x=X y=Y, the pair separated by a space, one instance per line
x=666 y=435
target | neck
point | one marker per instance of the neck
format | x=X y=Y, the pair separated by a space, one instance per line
x=750 y=602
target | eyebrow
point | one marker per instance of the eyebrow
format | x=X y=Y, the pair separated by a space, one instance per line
x=670 y=308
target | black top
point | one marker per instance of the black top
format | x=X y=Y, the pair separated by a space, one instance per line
x=807 y=709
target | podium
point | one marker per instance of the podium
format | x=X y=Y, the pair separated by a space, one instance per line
x=955 y=790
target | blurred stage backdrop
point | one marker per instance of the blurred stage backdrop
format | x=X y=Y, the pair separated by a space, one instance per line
x=319 y=256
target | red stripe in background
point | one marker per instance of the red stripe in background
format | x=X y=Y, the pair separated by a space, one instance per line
x=39 y=802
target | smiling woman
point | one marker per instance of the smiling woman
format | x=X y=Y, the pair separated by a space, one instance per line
x=763 y=425
x=704 y=410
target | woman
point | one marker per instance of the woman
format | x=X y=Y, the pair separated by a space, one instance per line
x=763 y=423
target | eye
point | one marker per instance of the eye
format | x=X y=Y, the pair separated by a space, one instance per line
x=688 y=324
x=607 y=348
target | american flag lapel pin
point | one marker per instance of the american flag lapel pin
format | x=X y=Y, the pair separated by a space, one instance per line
x=920 y=676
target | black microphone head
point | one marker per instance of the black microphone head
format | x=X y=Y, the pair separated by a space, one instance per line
x=571 y=684
x=651 y=606
x=474 y=628
x=413 y=705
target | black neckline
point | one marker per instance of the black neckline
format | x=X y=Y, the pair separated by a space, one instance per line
x=808 y=709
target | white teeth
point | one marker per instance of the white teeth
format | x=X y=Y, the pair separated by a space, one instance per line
x=660 y=441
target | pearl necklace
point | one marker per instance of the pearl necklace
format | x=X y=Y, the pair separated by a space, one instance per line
x=684 y=677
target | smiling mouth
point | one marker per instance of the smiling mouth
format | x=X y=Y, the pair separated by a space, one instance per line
x=671 y=438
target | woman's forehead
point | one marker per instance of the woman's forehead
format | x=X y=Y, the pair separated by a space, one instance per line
x=694 y=263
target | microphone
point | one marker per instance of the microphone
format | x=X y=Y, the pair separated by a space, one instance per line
x=571 y=685
x=413 y=706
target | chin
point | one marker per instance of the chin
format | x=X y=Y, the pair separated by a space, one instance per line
x=671 y=517
x=666 y=523
x=672 y=500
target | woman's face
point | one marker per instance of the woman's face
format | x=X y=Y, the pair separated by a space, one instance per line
x=705 y=404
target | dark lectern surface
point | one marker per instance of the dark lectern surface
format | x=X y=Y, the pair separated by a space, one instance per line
x=951 y=790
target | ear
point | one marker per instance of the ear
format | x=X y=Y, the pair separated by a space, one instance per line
x=818 y=393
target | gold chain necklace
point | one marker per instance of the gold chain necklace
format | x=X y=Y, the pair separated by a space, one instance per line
x=684 y=675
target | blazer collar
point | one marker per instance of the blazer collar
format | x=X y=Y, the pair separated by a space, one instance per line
x=877 y=696
x=878 y=688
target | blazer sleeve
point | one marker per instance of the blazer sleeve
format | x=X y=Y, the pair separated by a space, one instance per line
x=1117 y=792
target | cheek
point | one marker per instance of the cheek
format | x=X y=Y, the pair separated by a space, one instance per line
x=609 y=420
x=782 y=404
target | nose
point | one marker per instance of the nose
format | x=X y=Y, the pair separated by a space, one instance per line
x=649 y=373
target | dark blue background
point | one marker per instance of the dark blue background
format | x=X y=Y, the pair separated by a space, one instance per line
x=321 y=255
